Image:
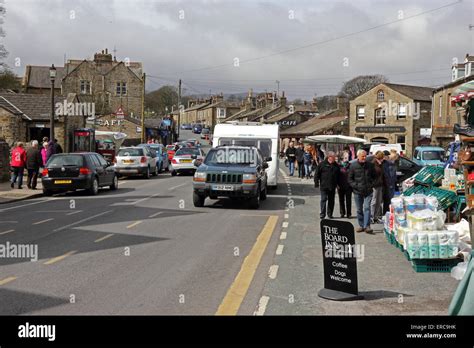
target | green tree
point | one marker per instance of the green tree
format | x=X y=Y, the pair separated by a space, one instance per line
x=361 y=84
x=161 y=100
x=9 y=80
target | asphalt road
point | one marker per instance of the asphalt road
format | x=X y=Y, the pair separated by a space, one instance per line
x=143 y=249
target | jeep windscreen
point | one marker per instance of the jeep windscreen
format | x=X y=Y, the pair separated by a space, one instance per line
x=433 y=155
x=187 y=151
x=264 y=145
x=231 y=157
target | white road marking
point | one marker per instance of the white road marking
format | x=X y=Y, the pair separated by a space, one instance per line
x=279 y=250
x=103 y=238
x=156 y=214
x=262 y=306
x=74 y=212
x=42 y=221
x=273 y=271
x=83 y=220
x=175 y=187
x=26 y=205
x=283 y=235
x=287 y=216
x=9 y=231
x=284 y=224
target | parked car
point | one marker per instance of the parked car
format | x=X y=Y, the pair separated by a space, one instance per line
x=237 y=172
x=385 y=147
x=429 y=156
x=78 y=171
x=186 y=126
x=205 y=132
x=197 y=128
x=183 y=160
x=136 y=161
x=161 y=153
x=406 y=168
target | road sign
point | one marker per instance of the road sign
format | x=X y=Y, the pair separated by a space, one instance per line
x=120 y=114
x=339 y=260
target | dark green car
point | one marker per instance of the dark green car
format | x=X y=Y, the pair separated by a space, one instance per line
x=236 y=172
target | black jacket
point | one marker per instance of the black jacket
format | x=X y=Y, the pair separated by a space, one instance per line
x=299 y=154
x=291 y=154
x=362 y=177
x=344 y=179
x=327 y=175
x=33 y=158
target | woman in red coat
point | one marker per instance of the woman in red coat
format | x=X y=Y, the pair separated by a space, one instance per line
x=18 y=163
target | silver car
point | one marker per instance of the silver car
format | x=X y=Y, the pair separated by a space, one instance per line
x=136 y=161
x=183 y=160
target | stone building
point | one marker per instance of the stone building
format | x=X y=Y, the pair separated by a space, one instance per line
x=392 y=113
x=36 y=80
x=445 y=114
x=208 y=111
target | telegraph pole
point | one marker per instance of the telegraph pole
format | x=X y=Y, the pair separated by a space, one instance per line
x=143 y=110
x=179 y=108
x=278 y=88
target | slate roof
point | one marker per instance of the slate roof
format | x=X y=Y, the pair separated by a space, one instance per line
x=38 y=76
x=313 y=126
x=413 y=92
x=30 y=106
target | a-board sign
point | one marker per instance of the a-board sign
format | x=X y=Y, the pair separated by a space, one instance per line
x=340 y=260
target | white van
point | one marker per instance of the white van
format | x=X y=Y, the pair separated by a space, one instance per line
x=385 y=147
x=265 y=137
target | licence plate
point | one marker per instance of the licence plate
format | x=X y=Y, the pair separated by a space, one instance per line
x=128 y=161
x=185 y=161
x=58 y=182
x=223 y=187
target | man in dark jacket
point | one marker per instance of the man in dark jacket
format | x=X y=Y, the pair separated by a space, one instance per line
x=344 y=190
x=327 y=176
x=361 y=178
x=33 y=164
x=57 y=147
x=300 y=160
x=291 y=157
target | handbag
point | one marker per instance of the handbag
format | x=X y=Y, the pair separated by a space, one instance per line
x=465 y=154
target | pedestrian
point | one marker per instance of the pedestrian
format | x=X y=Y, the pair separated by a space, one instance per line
x=44 y=153
x=300 y=160
x=18 y=163
x=379 y=184
x=361 y=178
x=51 y=150
x=291 y=157
x=344 y=190
x=390 y=172
x=57 y=147
x=33 y=164
x=327 y=176
x=308 y=163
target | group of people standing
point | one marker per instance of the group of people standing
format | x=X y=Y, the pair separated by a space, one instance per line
x=373 y=184
x=300 y=158
x=31 y=159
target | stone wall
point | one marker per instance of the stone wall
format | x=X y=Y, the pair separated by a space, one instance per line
x=4 y=161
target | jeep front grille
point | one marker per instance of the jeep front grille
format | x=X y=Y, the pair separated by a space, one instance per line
x=224 y=178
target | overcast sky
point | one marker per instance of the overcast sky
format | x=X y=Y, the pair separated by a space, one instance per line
x=309 y=46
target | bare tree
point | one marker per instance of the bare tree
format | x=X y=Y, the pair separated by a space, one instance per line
x=361 y=84
x=3 y=50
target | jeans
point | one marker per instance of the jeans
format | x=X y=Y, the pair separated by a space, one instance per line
x=308 y=169
x=291 y=166
x=363 y=209
x=17 y=173
x=327 y=196
x=376 y=204
x=32 y=178
x=300 y=170
x=345 y=202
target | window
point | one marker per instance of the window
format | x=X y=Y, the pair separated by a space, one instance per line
x=121 y=88
x=95 y=161
x=85 y=87
x=380 y=117
x=401 y=141
x=380 y=95
x=402 y=112
x=440 y=106
x=221 y=113
x=360 y=112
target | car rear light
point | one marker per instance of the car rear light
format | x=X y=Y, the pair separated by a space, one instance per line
x=143 y=159
x=174 y=161
x=84 y=171
x=44 y=173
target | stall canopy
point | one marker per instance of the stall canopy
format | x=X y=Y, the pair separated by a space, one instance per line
x=111 y=135
x=333 y=139
x=463 y=92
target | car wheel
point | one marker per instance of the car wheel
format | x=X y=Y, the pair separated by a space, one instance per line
x=255 y=201
x=263 y=194
x=147 y=173
x=114 y=185
x=47 y=192
x=198 y=200
x=173 y=173
x=94 y=189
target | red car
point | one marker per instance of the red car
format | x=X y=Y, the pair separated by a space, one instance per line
x=171 y=151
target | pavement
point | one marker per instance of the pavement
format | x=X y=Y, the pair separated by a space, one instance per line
x=386 y=279
x=9 y=195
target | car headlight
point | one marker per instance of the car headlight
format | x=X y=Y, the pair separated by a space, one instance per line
x=249 y=179
x=200 y=176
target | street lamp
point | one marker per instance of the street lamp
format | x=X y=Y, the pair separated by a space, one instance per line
x=52 y=76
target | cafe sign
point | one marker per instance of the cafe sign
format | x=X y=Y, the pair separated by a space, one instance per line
x=287 y=123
